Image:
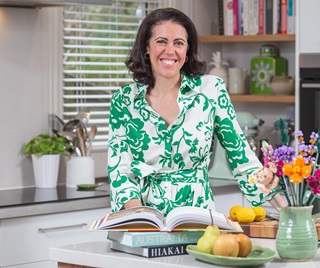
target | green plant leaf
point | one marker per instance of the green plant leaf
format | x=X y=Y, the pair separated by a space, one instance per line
x=45 y=144
x=282 y=126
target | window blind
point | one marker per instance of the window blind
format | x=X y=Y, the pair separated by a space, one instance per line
x=96 y=42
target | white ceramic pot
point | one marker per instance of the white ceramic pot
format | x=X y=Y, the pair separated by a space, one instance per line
x=46 y=170
x=80 y=170
x=282 y=85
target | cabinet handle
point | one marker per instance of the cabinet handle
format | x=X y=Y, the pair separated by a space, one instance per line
x=52 y=229
x=310 y=85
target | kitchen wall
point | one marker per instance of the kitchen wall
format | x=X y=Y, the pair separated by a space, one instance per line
x=30 y=80
x=26 y=91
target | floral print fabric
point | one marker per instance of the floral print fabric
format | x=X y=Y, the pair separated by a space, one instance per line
x=166 y=166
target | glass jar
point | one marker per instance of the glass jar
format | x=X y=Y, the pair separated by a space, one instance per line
x=264 y=67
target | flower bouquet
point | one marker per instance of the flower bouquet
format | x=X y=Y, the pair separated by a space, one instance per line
x=295 y=175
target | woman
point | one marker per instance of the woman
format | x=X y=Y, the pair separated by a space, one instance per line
x=162 y=127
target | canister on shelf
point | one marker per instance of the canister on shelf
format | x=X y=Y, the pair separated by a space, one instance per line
x=265 y=66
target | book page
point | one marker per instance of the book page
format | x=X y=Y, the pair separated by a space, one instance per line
x=184 y=215
x=125 y=218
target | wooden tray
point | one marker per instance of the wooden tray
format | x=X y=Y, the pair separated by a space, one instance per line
x=266 y=229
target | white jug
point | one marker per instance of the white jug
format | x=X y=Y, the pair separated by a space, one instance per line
x=237 y=80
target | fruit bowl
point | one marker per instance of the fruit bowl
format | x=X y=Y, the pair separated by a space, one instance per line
x=258 y=256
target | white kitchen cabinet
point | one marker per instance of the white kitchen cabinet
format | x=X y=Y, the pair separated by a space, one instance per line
x=308 y=21
x=25 y=241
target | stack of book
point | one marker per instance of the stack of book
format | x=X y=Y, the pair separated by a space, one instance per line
x=146 y=232
x=153 y=244
x=256 y=17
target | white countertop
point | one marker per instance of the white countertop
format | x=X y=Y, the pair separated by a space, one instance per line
x=99 y=254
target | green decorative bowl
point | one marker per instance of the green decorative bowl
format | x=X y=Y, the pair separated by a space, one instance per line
x=258 y=256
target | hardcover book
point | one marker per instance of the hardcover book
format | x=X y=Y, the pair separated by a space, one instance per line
x=235 y=10
x=276 y=17
x=143 y=239
x=220 y=17
x=262 y=20
x=228 y=17
x=269 y=16
x=291 y=17
x=146 y=218
x=253 y=17
x=284 y=16
x=245 y=17
x=154 y=251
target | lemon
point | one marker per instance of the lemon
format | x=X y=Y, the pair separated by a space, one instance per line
x=246 y=215
x=260 y=213
x=233 y=212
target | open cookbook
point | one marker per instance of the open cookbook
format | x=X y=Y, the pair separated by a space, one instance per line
x=145 y=219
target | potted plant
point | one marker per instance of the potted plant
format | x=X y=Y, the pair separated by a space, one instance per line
x=45 y=151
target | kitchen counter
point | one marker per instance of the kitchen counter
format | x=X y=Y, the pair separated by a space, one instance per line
x=33 y=201
x=38 y=201
x=99 y=254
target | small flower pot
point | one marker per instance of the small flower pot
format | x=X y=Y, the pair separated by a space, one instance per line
x=45 y=170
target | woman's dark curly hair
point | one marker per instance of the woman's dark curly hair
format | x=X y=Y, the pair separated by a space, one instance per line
x=141 y=67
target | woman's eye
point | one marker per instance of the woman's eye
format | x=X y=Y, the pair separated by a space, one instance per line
x=161 y=41
x=179 y=43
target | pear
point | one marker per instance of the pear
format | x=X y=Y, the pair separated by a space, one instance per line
x=205 y=242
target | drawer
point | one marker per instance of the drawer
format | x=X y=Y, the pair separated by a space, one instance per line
x=28 y=239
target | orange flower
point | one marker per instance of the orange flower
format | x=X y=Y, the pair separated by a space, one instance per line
x=287 y=169
x=297 y=170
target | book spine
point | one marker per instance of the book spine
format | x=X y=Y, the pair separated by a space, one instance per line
x=284 y=17
x=276 y=17
x=220 y=17
x=261 y=17
x=164 y=251
x=245 y=17
x=269 y=16
x=142 y=239
x=235 y=11
x=256 y=16
x=228 y=17
x=153 y=251
x=291 y=17
x=240 y=17
x=252 y=17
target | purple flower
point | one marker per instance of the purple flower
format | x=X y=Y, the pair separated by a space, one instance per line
x=314 y=136
x=284 y=153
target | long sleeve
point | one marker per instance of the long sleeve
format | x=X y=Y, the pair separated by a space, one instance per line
x=242 y=159
x=123 y=184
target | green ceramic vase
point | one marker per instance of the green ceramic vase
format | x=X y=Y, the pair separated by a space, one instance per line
x=297 y=238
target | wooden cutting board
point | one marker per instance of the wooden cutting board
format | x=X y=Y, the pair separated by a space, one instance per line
x=266 y=229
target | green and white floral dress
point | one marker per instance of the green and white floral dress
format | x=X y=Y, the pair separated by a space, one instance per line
x=166 y=167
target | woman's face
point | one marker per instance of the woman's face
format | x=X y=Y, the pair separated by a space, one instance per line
x=168 y=47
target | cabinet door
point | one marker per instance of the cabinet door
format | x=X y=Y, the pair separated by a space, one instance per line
x=309 y=20
x=28 y=239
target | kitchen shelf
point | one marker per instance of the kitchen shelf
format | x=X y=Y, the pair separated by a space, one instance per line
x=246 y=38
x=263 y=98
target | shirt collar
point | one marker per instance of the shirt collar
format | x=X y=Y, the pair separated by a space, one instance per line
x=189 y=87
